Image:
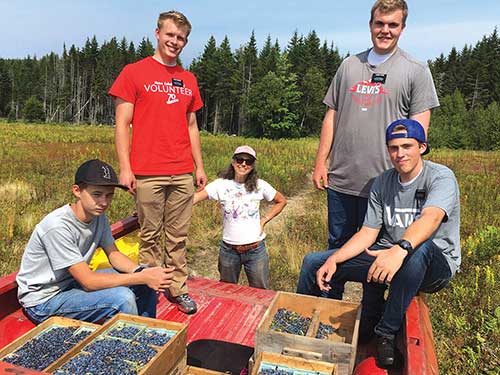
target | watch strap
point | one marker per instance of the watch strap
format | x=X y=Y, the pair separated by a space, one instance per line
x=406 y=245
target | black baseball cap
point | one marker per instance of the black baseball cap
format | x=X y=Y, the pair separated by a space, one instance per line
x=97 y=172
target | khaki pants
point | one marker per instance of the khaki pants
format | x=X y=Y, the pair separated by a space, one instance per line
x=164 y=204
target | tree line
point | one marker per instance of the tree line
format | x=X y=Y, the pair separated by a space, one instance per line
x=273 y=92
x=468 y=85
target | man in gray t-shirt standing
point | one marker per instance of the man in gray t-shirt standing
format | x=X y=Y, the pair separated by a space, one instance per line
x=369 y=91
x=55 y=278
x=410 y=238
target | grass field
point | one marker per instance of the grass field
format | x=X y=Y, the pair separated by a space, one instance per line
x=37 y=169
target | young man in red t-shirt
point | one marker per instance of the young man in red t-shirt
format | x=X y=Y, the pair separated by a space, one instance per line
x=160 y=100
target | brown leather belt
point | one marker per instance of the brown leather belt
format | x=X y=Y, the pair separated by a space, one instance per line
x=243 y=248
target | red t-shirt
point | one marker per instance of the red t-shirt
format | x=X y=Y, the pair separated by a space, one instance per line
x=162 y=97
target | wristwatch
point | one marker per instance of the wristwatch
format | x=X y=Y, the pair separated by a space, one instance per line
x=139 y=269
x=406 y=245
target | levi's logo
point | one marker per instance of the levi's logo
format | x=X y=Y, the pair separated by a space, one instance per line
x=367 y=93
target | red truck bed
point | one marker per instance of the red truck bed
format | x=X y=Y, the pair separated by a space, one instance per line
x=231 y=313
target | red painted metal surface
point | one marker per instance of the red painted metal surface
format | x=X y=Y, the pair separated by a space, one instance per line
x=125 y=226
x=13 y=322
x=420 y=357
x=8 y=369
x=226 y=312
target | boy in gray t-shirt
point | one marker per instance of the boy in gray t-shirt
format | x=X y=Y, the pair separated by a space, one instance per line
x=55 y=279
x=410 y=239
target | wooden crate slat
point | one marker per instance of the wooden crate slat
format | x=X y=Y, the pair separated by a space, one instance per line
x=294 y=362
x=339 y=347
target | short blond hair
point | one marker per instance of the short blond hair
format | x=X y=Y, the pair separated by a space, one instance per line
x=388 y=6
x=177 y=17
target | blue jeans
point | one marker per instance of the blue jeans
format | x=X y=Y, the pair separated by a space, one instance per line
x=76 y=303
x=346 y=214
x=255 y=263
x=426 y=270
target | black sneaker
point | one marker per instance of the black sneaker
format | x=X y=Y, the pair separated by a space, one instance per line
x=184 y=303
x=386 y=353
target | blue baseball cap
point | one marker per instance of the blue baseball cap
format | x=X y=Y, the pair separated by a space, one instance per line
x=413 y=130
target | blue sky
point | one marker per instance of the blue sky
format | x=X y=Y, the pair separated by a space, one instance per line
x=36 y=27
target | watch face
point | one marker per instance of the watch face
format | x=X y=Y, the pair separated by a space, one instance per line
x=405 y=245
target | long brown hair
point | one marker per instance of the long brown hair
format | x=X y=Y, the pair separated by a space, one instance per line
x=250 y=180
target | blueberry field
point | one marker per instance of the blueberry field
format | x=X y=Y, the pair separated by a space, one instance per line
x=37 y=165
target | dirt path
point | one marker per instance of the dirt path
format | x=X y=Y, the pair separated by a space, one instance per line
x=203 y=261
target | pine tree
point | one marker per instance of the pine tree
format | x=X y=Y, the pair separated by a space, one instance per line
x=268 y=58
x=145 y=48
x=449 y=123
x=5 y=89
x=313 y=109
x=33 y=110
x=272 y=102
x=224 y=103
x=206 y=69
x=247 y=61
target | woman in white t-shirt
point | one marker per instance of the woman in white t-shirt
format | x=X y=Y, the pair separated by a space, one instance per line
x=239 y=192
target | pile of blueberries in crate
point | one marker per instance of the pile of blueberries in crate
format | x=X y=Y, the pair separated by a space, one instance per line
x=44 y=349
x=291 y=322
x=124 y=349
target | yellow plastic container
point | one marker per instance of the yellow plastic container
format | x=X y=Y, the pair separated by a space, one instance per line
x=128 y=245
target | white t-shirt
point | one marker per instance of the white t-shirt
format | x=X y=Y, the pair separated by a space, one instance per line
x=240 y=209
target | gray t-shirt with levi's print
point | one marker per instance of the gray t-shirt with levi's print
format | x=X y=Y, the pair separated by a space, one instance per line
x=59 y=241
x=393 y=207
x=368 y=98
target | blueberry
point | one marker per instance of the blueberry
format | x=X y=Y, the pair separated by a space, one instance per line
x=324 y=330
x=44 y=349
x=153 y=337
x=290 y=322
x=124 y=332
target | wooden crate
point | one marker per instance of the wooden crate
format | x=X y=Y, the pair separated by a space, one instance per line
x=55 y=321
x=192 y=370
x=339 y=348
x=180 y=367
x=170 y=358
x=297 y=365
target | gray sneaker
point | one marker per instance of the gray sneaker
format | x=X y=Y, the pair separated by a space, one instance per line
x=184 y=303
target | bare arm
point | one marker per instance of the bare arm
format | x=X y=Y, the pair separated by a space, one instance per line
x=200 y=196
x=157 y=278
x=424 y=118
x=320 y=177
x=389 y=261
x=124 y=112
x=355 y=246
x=119 y=261
x=194 y=136
x=279 y=201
